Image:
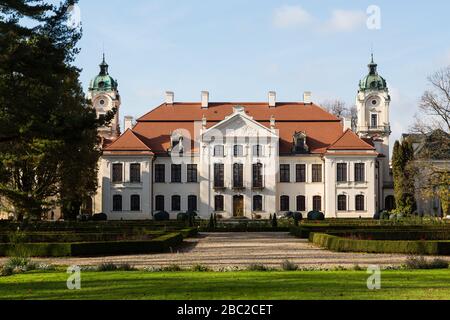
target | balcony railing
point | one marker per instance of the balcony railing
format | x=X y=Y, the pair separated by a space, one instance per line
x=375 y=128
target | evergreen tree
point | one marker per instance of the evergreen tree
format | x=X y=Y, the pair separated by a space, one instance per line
x=404 y=189
x=275 y=221
x=48 y=132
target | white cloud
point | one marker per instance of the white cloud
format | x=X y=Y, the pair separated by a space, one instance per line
x=346 y=20
x=291 y=17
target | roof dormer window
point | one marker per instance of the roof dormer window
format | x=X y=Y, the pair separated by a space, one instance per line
x=300 y=144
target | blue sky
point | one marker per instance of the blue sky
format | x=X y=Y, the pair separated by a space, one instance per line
x=241 y=49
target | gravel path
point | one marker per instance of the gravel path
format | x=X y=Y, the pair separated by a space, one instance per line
x=221 y=250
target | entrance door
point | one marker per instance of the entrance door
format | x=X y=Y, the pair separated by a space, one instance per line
x=238 y=206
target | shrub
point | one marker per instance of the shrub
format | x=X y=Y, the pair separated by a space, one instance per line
x=6 y=271
x=417 y=263
x=289 y=215
x=257 y=267
x=161 y=216
x=274 y=221
x=107 y=267
x=297 y=218
x=316 y=216
x=100 y=217
x=172 y=268
x=289 y=266
x=126 y=267
x=200 y=268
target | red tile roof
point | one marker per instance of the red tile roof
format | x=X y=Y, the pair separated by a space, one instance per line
x=153 y=130
x=350 y=141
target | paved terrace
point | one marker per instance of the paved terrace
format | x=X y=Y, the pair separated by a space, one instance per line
x=221 y=250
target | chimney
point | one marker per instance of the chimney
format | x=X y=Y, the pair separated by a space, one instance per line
x=128 y=122
x=205 y=99
x=346 y=123
x=170 y=97
x=307 y=96
x=272 y=99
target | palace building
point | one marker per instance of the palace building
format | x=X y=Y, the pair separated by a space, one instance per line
x=245 y=159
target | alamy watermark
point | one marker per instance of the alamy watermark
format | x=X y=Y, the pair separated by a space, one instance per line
x=74 y=279
x=74 y=16
x=374 y=17
x=374 y=280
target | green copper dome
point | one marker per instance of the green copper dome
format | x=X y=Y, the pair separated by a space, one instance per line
x=103 y=82
x=373 y=81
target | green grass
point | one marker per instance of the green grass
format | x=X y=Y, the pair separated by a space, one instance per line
x=308 y=285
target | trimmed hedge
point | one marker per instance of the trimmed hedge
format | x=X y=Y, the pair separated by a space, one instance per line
x=339 y=244
x=157 y=245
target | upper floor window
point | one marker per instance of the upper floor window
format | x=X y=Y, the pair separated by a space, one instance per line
x=192 y=173
x=192 y=203
x=160 y=173
x=238 y=150
x=258 y=151
x=360 y=203
x=176 y=173
x=218 y=203
x=117 y=173
x=360 y=172
x=159 y=203
x=219 y=175
x=342 y=172
x=135 y=173
x=342 y=203
x=316 y=173
x=374 y=120
x=284 y=203
x=238 y=175
x=258 y=175
x=135 y=203
x=285 y=173
x=117 y=203
x=300 y=173
x=300 y=145
x=219 y=151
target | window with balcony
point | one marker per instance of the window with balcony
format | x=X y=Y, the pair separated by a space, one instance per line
x=342 y=172
x=135 y=173
x=238 y=176
x=117 y=173
x=219 y=175
x=258 y=182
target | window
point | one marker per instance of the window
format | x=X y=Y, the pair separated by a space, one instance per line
x=300 y=173
x=192 y=203
x=117 y=203
x=257 y=203
x=219 y=151
x=160 y=173
x=135 y=173
x=117 y=173
x=374 y=120
x=257 y=151
x=135 y=203
x=238 y=151
x=258 y=175
x=192 y=173
x=360 y=205
x=316 y=173
x=238 y=175
x=218 y=203
x=317 y=203
x=176 y=203
x=301 y=203
x=342 y=172
x=300 y=145
x=176 y=173
x=219 y=175
x=284 y=203
x=360 y=174
x=342 y=203
x=159 y=203
x=285 y=173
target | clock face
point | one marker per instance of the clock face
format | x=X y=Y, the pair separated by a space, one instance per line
x=373 y=102
x=102 y=102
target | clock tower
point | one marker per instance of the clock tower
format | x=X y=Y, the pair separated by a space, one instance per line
x=104 y=95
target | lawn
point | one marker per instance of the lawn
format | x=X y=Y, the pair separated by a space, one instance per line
x=307 y=285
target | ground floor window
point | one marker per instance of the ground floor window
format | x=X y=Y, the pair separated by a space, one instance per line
x=360 y=205
x=257 y=203
x=342 y=203
x=284 y=203
x=301 y=203
x=159 y=203
x=192 y=203
x=176 y=203
x=135 y=203
x=317 y=203
x=117 y=203
x=218 y=203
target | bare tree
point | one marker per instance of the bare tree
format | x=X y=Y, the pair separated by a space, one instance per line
x=435 y=104
x=336 y=107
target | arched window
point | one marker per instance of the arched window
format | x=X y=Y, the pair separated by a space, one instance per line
x=257 y=203
x=117 y=203
x=176 y=203
x=159 y=203
x=317 y=203
x=192 y=203
x=301 y=203
x=360 y=203
x=284 y=203
x=218 y=203
x=135 y=203
x=342 y=203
